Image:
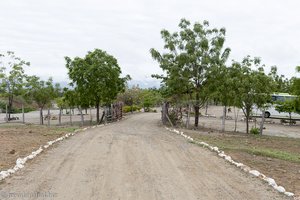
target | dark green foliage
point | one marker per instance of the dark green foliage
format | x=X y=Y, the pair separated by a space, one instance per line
x=41 y=92
x=188 y=57
x=254 y=131
x=96 y=78
x=251 y=85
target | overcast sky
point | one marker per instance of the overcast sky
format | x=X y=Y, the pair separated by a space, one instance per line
x=43 y=32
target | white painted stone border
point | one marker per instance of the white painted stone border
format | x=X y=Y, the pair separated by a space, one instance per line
x=20 y=162
x=241 y=166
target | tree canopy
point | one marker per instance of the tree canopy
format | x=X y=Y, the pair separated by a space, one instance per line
x=12 y=77
x=188 y=57
x=42 y=92
x=96 y=77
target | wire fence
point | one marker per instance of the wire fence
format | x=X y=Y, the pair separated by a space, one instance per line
x=55 y=117
x=51 y=117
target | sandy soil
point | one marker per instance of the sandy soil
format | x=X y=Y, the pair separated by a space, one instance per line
x=18 y=140
x=132 y=159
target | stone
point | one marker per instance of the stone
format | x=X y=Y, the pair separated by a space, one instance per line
x=12 y=151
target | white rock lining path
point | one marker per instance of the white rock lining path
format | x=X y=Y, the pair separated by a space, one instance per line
x=20 y=162
x=241 y=166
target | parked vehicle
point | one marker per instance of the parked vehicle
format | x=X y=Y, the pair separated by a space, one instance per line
x=271 y=107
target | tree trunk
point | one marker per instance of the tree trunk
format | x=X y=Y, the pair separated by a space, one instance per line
x=247 y=121
x=188 y=116
x=206 y=108
x=81 y=116
x=197 y=107
x=98 y=115
x=59 y=116
x=41 y=116
x=113 y=113
x=164 y=113
x=71 y=117
x=91 y=117
x=102 y=117
x=6 y=113
x=49 y=118
x=10 y=102
x=121 y=111
x=196 y=115
x=236 y=115
x=262 y=122
x=224 y=118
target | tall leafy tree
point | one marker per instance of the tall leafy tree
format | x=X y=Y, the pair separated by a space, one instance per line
x=97 y=77
x=12 y=77
x=252 y=85
x=188 y=56
x=41 y=92
x=290 y=106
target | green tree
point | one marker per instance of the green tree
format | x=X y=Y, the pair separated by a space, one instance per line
x=96 y=77
x=291 y=106
x=253 y=87
x=189 y=54
x=221 y=88
x=281 y=84
x=295 y=83
x=41 y=92
x=61 y=104
x=150 y=97
x=131 y=96
x=12 y=77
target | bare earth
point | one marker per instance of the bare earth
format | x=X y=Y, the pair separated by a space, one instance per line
x=132 y=159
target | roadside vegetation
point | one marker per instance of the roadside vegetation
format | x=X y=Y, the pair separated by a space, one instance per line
x=197 y=72
x=277 y=157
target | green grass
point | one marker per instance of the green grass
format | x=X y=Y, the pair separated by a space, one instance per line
x=245 y=144
x=271 y=153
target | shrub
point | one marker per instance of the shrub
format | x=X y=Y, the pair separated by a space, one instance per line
x=127 y=109
x=254 y=131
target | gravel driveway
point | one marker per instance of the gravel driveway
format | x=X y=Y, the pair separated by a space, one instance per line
x=132 y=159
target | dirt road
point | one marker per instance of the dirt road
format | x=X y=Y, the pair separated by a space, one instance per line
x=132 y=159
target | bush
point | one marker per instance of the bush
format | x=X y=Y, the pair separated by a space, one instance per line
x=127 y=109
x=254 y=131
